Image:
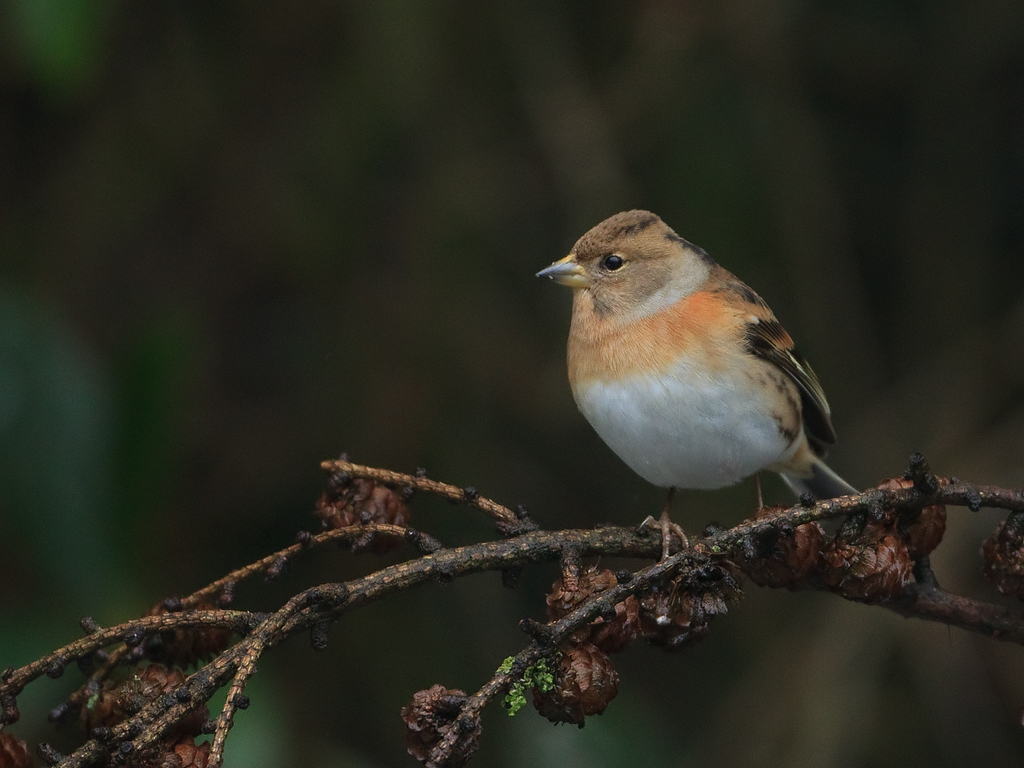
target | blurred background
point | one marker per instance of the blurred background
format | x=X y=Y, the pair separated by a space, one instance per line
x=239 y=238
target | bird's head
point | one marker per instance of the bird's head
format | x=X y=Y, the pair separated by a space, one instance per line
x=631 y=264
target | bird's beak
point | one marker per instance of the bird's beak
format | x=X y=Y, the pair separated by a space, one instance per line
x=567 y=272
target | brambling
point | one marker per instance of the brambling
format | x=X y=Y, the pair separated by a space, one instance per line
x=683 y=370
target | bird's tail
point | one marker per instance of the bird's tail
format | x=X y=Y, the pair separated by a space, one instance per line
x=823 y=483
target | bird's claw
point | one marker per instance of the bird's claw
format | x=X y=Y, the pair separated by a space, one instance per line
x=667 y=528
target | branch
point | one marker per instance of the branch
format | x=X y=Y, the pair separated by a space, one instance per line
x=515 y=521
x=690 y=586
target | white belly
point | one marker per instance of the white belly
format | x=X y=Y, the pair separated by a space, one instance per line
x=686 y=430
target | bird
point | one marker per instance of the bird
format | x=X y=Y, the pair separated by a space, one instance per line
x=684 y=371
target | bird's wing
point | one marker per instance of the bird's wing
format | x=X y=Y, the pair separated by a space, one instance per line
x=767 y=339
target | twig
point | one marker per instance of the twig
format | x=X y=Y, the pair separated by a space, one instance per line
x=238 y=621
x=924 y=601
x=263 y=565
x=467 y=495
x=256 y=644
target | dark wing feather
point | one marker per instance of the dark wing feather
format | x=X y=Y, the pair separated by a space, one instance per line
x=767 y=339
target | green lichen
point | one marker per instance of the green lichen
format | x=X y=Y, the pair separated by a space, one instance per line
x=537 y=675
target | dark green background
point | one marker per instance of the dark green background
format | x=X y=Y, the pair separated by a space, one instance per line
x=239 y=238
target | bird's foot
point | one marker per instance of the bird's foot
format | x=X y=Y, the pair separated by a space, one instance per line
x=667 y=528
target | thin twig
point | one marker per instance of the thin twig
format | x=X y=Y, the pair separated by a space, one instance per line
x=262 y=565
x=83 y=692
x=453 y=493
x=238 y=621
x=256 y=644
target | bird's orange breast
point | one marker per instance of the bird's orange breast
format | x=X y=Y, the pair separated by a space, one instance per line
x=702 y=326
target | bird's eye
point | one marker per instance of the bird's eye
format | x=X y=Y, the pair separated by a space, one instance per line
x=613 y=262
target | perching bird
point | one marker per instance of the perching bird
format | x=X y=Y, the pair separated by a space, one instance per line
x=683 y=370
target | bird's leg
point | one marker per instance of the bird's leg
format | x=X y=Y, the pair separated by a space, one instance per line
x=757 y=484
x=667 y=527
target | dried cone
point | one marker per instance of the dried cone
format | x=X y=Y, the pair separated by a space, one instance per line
x=359 y=501
x=166 y=760
x=585 y=683
x=922 y=531
x=610 y=635
x=115 y=700
x=187 y=754
x=156 y=680
x=430 y=718
x=194 y=645
x=868 y=566
x=670 y=618
x=104 y=708
x=14 y=753
x=1003 y=553
x=676 y=613
x=784 y=558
